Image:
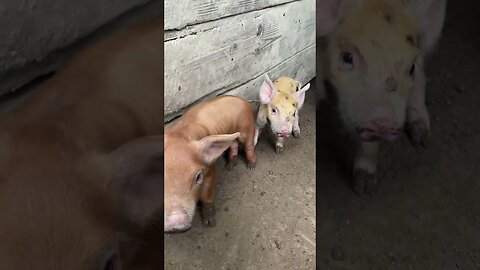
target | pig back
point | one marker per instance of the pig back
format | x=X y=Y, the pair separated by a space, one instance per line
x=220 y=115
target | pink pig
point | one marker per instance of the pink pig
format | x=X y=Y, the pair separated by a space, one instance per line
x=373 y=57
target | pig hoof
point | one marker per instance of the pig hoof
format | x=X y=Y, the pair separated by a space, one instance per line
x=418 y=134
x=232 y=163
x=296 y=134
x=365 y=183
x=279 y=149
x=251 y=165
x=208 y=214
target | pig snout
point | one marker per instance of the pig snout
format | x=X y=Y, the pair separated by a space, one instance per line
x=177 y=221
x=379 y=129
x=283 y=132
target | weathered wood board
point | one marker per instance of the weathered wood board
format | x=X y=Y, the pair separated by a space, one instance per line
x=215 y=57
x=298 y=66
x=179 y=14
x=34 y=53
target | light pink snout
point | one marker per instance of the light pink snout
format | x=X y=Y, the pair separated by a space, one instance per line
x=379 y=129
x=177 y=221
x=284 y=131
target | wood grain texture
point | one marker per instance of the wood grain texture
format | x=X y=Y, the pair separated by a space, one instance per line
x=299 y=66
x=179 y=14
x=15 y=76
x=218 y=56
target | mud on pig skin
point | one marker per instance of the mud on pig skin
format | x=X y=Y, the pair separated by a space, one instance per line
x=192 y=145
x=281 y=102
x=373 y=59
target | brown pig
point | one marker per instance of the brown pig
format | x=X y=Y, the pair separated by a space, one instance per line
x=81 y=159
x=373 y=59
x=281 y=102
x=192 y=145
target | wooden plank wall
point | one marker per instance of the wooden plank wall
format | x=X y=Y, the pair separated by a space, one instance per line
x=226 y=46
x=34 y=34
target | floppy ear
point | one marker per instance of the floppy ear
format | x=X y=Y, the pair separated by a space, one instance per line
x=429 y=16
x=137 y=178
x=328 y=14
x=211 y=147
x=267 y=90
x=300 y=95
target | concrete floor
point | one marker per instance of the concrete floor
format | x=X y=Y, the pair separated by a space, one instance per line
x=265 y=217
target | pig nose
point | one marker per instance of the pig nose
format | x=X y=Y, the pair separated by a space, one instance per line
x=177 y=220
x=377 y=129
x=284 y=131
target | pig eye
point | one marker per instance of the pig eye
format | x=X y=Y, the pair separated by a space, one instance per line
x=347 y=58
x=294 y=113
x=346 y=61
x=198 y=178
x=274 y=110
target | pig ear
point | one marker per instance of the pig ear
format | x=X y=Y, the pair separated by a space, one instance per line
x=300 y=95
x=137 y=178
x=299 y=85
x=305 y=87
x=328 y=14
x=211 y=147
x=267 y=90
x=429 y=17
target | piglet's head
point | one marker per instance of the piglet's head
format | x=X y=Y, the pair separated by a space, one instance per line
x=374 y=59
x=187 y=164
x=284 y=98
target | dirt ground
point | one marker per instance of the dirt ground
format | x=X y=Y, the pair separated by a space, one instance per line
x=265 y=217
x=426 y=215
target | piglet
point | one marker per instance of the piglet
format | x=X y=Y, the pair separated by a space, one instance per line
x=192 y=145
x=281 y=102
x=373 y=60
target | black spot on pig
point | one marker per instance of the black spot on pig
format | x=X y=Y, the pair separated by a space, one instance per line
x=413 y=41
x=410 y=40
x=388 y=18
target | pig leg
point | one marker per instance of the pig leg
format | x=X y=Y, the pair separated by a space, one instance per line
x=206 y=198
x=258 y=130
x=296 y=126
x=250 y=149
x=260 y=123
x=365 y=167
x=232 y=156
x=279 y=145
x=418 y=119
